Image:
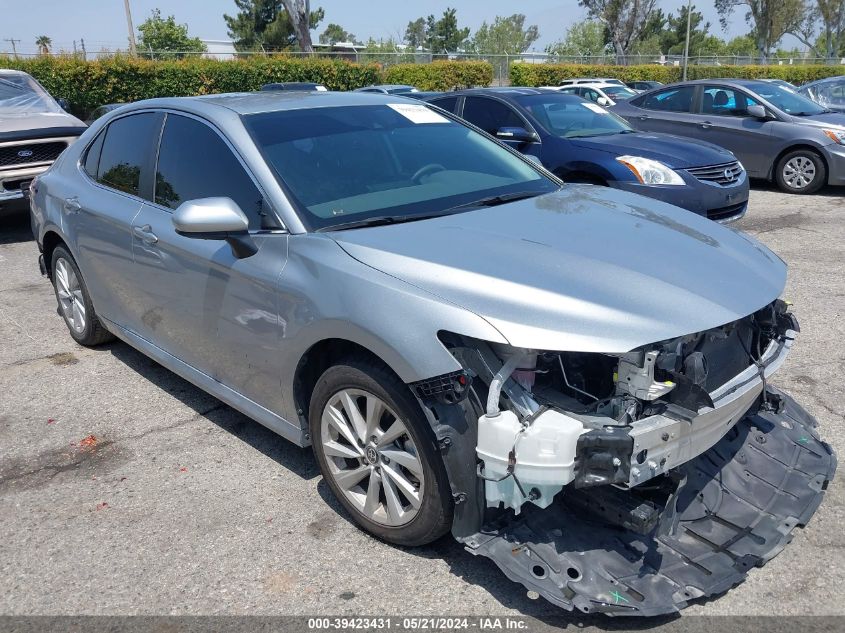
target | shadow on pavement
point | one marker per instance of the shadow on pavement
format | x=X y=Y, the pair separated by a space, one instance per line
x=15 y=228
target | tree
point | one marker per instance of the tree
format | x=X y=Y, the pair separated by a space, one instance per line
x=299 y=12
x=822 y=28
x=335 y=33
x=674 y=36
x=582 y=39
x=769 y=20
x=43 y=43
x=166 y=38
x=415 y=33
x=624 y=20
x=444 y=35
x=265 y=24
x=506 y=36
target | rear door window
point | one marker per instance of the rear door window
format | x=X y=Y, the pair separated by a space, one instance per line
x=195 y=162
x=447 y=103
x=671 y=100
x=126 y=157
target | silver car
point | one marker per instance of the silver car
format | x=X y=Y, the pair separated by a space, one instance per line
x=572 y=379
x=775 y=132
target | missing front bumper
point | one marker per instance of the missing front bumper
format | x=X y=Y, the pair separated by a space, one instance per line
x=741 y=501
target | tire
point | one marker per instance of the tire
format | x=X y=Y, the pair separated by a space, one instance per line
x=75 y=305
x=801 y=171
x=379 y=482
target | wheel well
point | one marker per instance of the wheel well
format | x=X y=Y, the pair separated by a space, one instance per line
x=793 y=148
x=50 y=242
x=317 y=360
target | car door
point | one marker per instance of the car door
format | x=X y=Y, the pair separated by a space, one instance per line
x=723 y=120
x=491 y=115
x=118 y=166
x=198 y=301
x=668 y=111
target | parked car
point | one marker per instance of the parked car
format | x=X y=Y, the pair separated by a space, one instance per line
x=603 y=94
x=103 y=109
x=389 y=89
x=459 y=336
x=591 y=80
x=34 y=130
x=422 y=95
x=642 y=86
x=780 y=82
x=776 y=133
x=828 y=93
x=582 y=142
x=293 y=85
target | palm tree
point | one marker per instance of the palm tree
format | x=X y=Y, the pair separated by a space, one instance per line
x=43 y=43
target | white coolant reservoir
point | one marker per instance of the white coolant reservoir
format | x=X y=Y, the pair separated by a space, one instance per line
x=545 y=456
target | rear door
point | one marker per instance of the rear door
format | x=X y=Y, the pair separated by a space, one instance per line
x=118 y=165
x=668 y=111
x=200 y=303
x=723 y=119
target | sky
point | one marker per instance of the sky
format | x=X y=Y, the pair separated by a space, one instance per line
x=102 y=23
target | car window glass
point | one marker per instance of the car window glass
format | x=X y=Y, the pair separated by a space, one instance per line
x=126 y=152
x=831 y=94
x=569 y=91
x=490 y=115
x=670 y=100
x=195 y=162
x=92 y=157
x=723 y=101
x=447 y=103
x=589 y=93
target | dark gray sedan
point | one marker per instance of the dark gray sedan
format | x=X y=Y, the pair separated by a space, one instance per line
x=776 y=133
x=828 y=93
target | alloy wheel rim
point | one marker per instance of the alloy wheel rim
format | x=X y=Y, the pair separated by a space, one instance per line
x=799 y=172
x=371 y=457
x=69 y=292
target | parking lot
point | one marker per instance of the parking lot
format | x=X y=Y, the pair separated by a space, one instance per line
x=126 y=490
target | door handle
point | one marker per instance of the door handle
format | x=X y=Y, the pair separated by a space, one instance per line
x=644 y=117
x=706 y=125
x=145 y=234
x=72 y=205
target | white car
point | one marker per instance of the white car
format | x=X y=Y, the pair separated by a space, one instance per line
x=591 y=80
x=605 y=94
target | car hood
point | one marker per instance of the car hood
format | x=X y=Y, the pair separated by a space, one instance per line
x=15 y=121
x=584 y=269
x=675 y=151
x=831 y=119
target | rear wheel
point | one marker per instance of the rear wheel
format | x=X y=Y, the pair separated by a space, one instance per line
x=74 y=301
x=377 y=454
x=801 y=171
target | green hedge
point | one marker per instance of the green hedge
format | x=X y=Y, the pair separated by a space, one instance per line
x=522 y=74
x=441 y=75
x=87 y=85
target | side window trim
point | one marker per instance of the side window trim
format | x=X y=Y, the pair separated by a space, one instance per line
x=235 y=153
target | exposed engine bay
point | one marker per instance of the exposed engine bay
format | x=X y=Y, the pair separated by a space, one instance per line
x=617 y=482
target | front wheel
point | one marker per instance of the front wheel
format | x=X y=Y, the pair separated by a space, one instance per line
x=802 y=171
x=377 y=453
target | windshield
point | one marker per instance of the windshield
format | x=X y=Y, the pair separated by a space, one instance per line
x=21 y=94
x=618 y=93
x=570 y=117
x=787 y=100
x=347 y=164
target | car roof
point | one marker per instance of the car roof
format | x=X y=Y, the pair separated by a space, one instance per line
x=596 y=84
x=502 y=91
x=9 y=71
x=244 y=103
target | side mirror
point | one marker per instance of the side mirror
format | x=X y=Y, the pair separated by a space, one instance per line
x=603 y=101
x=215 y=219
x=757 y=111
x=516 y=134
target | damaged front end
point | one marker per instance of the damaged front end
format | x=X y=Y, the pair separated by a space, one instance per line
x=629 y=483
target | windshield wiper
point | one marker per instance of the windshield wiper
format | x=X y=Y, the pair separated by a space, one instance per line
x=493 y=201
x=380 y=220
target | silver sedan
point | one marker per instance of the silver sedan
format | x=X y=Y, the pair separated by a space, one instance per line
x=550 y=371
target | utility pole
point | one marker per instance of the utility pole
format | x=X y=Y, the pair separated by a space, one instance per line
x=132 y=49
x=84 y=52
x=686 y=44
x=14 y=43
